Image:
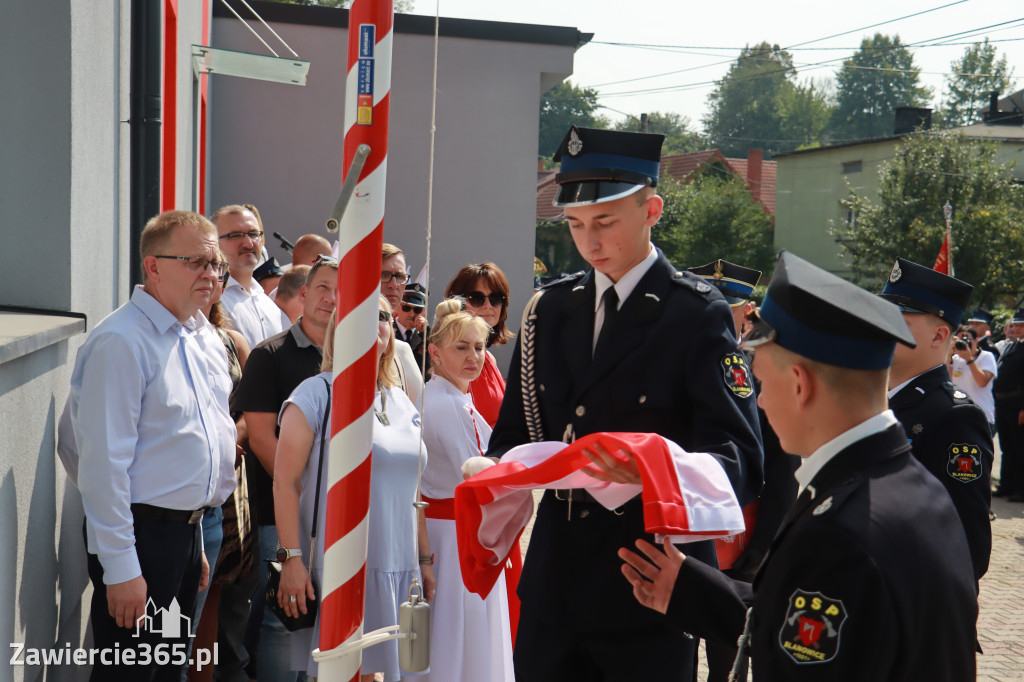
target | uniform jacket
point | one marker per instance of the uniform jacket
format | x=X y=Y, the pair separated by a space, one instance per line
x=867 y=579
x=1010 y=378
x=950 y=435
x=669 y=367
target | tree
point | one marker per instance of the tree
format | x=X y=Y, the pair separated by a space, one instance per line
x=976 y=74
x=712 y=217
x=562 y=106
x=804 y=115
x=679 y=139
x=879 y=77
x=907 y=219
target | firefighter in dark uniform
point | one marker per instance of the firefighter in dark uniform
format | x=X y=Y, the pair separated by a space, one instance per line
x=948 y=432
x=635 y=345
x=415 y=298
x=740 y=557
x=1008 y=390
x=869 y=576
x=981 y=322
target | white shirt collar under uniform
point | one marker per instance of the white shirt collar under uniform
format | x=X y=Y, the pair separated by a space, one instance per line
x=897 y=389
x=823 y=455
x=623 y=288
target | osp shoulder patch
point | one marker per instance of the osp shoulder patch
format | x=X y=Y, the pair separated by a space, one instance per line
x=964 y=463
x=810 y=633
x=737 y=375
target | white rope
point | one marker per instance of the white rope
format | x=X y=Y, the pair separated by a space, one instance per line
x=251 y=29
x=430 y=215
x=257 y=15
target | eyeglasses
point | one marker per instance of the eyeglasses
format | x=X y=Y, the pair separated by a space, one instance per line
x=477 y=298
x=199 y=264
x=400 y=277
x=223 y=279
x=234 y=236
x=411 y=308
x=383 y=316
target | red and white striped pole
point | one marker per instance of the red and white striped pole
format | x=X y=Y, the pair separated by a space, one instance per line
x=367 y=103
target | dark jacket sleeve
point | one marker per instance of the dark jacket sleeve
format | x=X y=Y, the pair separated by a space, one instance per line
x=709 y=604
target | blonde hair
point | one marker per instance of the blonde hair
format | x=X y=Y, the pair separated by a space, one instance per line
x=387 y=376
x=233 y=209
x=451 y=321
x=389 y=250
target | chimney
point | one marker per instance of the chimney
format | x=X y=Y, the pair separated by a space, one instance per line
x=993 y=106
x=754 y=161
x=909 y=119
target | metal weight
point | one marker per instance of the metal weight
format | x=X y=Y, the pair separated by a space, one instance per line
x=414 y=626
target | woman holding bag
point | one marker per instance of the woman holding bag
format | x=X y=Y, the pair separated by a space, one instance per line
x=397 y=531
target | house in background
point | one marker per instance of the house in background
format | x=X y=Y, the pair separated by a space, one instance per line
x=554 y=245
x=812 y=183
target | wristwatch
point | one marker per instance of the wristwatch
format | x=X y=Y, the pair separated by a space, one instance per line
x=284 y=555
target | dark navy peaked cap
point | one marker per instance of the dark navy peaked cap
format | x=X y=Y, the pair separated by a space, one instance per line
x=604 y=165
x=916 y=288
x=734 y=281
x=979 y=315
x=823 y=317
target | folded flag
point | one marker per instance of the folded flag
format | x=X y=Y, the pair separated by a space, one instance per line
x=685 y=495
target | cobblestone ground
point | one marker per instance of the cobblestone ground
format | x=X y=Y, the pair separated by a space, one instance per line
x=1001 y=620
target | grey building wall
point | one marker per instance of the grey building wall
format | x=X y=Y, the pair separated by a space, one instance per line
x=280 y=147
x=64 y=178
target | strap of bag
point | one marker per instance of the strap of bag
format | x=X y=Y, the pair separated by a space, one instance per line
x=528 y=378
x=319 y=470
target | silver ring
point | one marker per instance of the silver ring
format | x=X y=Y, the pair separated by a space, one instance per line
x=292 y=599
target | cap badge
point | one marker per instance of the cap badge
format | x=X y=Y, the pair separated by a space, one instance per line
x=917 y=429
x=718 y=270
x=896 y=273
x=575 y=145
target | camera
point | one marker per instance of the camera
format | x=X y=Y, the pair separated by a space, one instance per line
x=962 y=343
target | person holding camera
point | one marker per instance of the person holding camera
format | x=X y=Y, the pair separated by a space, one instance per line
x=972 y=370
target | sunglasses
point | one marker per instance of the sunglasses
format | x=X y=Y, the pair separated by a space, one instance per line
x=383 y=316
x=410 y=308
x=477 y=299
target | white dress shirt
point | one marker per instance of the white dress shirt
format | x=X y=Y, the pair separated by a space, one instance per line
x=151 y=424
x=623 y=288
x=252 y=313
x=823 y=455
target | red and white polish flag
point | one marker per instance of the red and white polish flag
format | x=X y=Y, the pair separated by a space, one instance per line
x=685 y=495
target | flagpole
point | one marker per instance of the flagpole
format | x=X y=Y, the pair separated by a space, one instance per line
x=947 y=211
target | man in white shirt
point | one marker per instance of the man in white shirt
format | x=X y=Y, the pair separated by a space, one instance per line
x=156 y=442
x=251 y=311
x=972 y=370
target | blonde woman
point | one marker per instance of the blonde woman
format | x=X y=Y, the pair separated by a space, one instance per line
x=470 y=637
x=397 y=532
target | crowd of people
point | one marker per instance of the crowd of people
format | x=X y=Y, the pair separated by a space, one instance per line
x=856 y=430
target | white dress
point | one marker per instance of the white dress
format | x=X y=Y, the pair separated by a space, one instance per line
x=470 y=637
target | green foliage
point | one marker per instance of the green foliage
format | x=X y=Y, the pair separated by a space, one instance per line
x=679 y=139
x=977 y=73
x=759 y=105
x=907 y=219
x=562 y=106
x=555 y=248
x=713 y=217
x=879 y=77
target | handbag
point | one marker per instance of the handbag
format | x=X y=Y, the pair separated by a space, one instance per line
x=307 y=620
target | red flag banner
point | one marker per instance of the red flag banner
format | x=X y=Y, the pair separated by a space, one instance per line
x=942 y=262
x=686 y=495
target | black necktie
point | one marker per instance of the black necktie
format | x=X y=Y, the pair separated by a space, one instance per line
x=408 y=335
x=611 y=309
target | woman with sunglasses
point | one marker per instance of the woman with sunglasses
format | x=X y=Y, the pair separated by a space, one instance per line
x=397 y=530
x=485 y=290
x=470 y=637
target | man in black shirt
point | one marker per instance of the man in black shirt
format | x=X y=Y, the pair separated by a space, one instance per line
x=1008 y=390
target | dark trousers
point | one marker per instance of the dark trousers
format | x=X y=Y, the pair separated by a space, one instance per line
x=170 y=557
x=233 y=613
x=1011 y=442
x=547 y=651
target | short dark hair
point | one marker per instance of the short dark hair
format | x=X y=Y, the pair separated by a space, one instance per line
x=464 y=283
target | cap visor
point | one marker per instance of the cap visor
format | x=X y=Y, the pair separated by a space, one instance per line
x=760 y=333
x=593 y=192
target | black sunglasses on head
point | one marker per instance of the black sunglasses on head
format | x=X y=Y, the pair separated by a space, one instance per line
x=477 y=298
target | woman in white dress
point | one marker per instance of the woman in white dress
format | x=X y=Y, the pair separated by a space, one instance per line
x=397 y=532
x=470 y=640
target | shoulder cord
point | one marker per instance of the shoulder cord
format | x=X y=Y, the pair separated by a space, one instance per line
x=319 y=471
x=527 y=375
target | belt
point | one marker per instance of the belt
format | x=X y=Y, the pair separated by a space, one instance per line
x=440 y=509
x=148 y=511
x=1008 y=394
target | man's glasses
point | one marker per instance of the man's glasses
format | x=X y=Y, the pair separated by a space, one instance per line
x=199 y=264
x=383 y=316
x=400 y=277
x=223 y=279
x=411 y=308
x=235 y=236
x=477 y=299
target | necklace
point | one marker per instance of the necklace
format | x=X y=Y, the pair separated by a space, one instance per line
x=382 y=413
